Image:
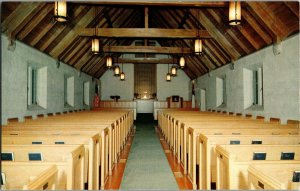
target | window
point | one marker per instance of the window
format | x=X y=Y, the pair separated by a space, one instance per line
x=86 y=93
x=257 y=87
x=32 y=85
x=253 y=87
x=68 y=91
x=36 y=87
x=221 y=95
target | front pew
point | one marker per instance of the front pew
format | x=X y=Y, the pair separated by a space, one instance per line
x=28 y=176
x=92 y=150
x=69 y=160
x=273 y=177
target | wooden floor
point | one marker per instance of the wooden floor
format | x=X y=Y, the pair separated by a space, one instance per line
x=114 y=181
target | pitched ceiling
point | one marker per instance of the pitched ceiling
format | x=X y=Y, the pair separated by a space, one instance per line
x=263 y=23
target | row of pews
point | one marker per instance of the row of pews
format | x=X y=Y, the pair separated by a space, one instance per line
x=74 y=151
x=225 y=151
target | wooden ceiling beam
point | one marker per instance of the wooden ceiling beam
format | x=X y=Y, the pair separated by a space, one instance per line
x=130 y=21
x=107 y=17
x=142 y=33
x=35 y=21
x=73 y=51
x=145 y=60
x=146 y=21
x=209 y=47
x=66 y=41
x=16 y=18
x=147 y=49
x=59 y=30
x=195 y=66
x=256 y=26
x=216 y=47
x=84 y=50
x=244 y=31
x=184 y=19
x=218 y=36
x=158 y=3
x=213 y=58
x=225 y=29
x=45 y=30
x=267 y=19
x=27 y=20
x=293 y=7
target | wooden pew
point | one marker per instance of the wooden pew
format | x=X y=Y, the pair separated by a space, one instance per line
x=273 y=177
x=120 y=129
x=189 y=137
x=69 y=160
x=178 y=137
x=105 y=159
x=206 y=157
x=91 y=143
x=233 y=162
x=29 y=176
x=89 y=120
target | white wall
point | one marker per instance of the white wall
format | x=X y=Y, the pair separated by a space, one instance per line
x=179 y=85
x=281 y=82
x=14 y=82
x=111 y=85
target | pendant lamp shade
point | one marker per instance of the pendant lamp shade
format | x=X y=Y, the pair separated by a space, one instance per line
x=181 y=62
x=198 y=46
x=122 y=76
x=60 y=11
x=173 y=71
x=235 y=13
x=109 y=62
x=168 y=77
x=117 y=70
x=95 y=45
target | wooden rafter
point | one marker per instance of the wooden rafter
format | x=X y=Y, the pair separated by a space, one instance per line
x=255 y=25
x=293 y=7
x=158 y=3
x=26 y=20
x=65 y=42
x=267 y=19
x=213 y=30
x=16 y=17
x=35 y=21
x=227 y=32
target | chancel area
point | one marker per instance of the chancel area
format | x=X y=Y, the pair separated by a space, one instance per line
x=150 y=95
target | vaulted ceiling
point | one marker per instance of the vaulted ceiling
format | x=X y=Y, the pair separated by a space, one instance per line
x=263 y=23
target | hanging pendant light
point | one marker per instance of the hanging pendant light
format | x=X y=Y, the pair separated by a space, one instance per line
x=117 y=71
x=95 y=45
x=122 y=75
x=95 y=40
x=60 y=11
x=109 y=62
x=168 y=77
x=198 y=41
x=173 y=71
x=234 y=13
x=182 y=62
x=198 y=46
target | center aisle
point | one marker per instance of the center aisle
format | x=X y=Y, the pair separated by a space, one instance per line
x=147 y=166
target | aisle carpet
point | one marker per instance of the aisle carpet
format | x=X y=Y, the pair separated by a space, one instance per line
x=147 y=166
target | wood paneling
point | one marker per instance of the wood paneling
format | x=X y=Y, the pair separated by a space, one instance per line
x=145 y=80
